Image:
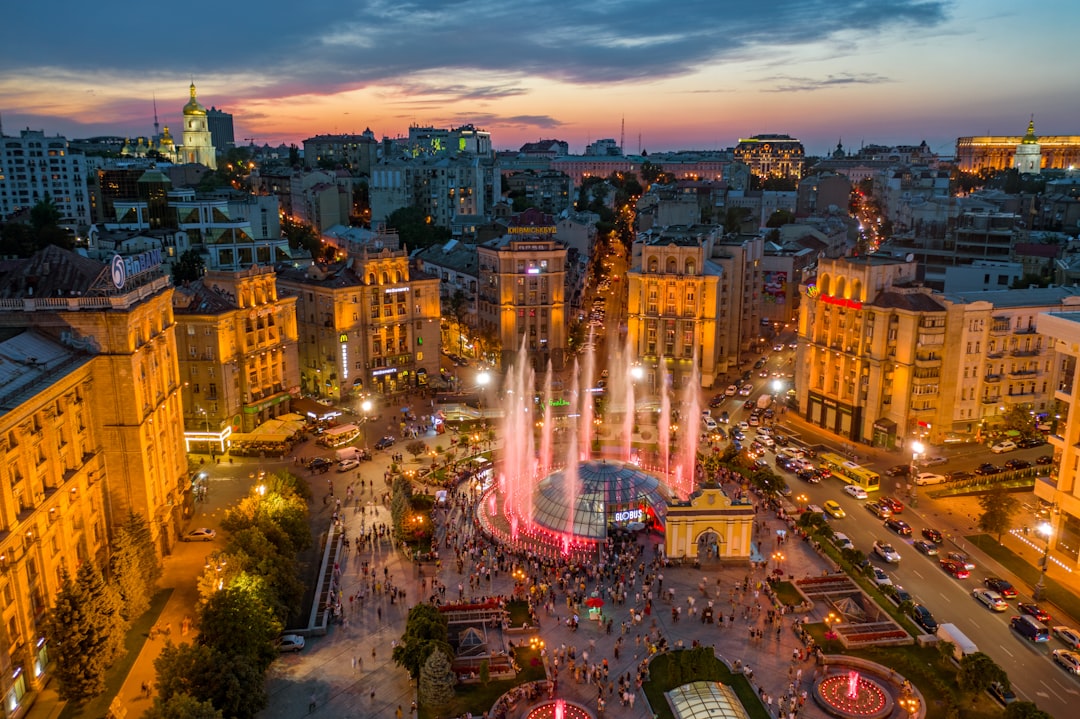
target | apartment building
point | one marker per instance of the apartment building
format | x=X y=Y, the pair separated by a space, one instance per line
x=444 y=187
x=33 y=166
x=772 y=155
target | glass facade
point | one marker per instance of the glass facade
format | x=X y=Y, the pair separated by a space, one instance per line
x=705 y=700
x=608 y=494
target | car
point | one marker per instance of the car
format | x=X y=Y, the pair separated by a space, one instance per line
x=346 y=464
x=1005 y=446
x=363 y=454
x=717 y=400
x=808 y=475
x=855 y=491
x=1029 y=442
x=999 y=585
x=1034 y=610
x=880 y=577
x=898 y=470
x=899 y=595
x=954 y=568
x=925 y=478
x=778 y=347
x=962 y=559
x=769 y=413
x=893 y=503
x=814 y=509
x=755 y=420
x=924 y=547
x=834 y=509
x=725 y=418
x=842 y=541
x=933 y=535
x=878 y=509
x=957 y=475
x=385 y=442
x=886 y=552
x=1017 y=464
x=899 y=526
x=748 y=404
x=1003 y=694
x=1029 y=628
x=1067 y=659
x=764 y=431
x=202 y=534
x=1068 y=635
x=320 y=465
x=737 y=435
x=934 y=461
x=709 y=423
x=987 y=468
x=731 y=390
x=990 y=599
x=922 y=616
x=762 y=361
x=290 y=643
x=792 y=345
x=1044 y=459
x=746 y=390
x=768 y=441
x=743 y=426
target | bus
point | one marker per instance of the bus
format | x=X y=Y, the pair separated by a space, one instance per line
x=847 y=471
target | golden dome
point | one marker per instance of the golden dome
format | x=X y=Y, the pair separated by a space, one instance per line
x=193 y=107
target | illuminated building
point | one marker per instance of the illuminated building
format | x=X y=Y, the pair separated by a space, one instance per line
x=442 y=186
x=356 y=152
x=198 y=145
x=522 y=293
x=368 y=322
x=237 y=348
x=1000 y=152
x=33 y=166
x=772 y=155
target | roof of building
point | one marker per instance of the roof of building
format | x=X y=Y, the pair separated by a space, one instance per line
x=453 y=255
x=49 y=272
x=705 y=700
x=1028 y=297
x=30 y=362
x=198 y=299
x=912 y=301
x=1033 y=249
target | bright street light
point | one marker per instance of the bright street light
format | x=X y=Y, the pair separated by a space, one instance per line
x=1045 y=529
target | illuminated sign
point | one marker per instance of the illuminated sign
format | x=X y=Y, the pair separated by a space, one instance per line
x=545 y=230
x=630 y=515
x=343 y=337
x=380 y=372
x=533 y=271
x=123 y=268
x=841 y=302
x=392 y=290
x=559 y=403
x=345 y=358
x=812 y=292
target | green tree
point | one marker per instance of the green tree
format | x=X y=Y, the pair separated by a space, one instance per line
x=133 y=566
x=182 y=706
x=189 y=267
x=400 y=503
x=998 y=508
x=780 y=218
x=45 y=214
x=734 y=218
x=301 y=236
x=231 y=683
x=425 y=633
x=79 y=665
x=237 y=622
x=978 y=671
x=294 y=155
x=436 y=681
x=104 y=612
x=415 y=229
x=650 y=172
x=415 y=448
x=1025 y=710
x=1022 y=420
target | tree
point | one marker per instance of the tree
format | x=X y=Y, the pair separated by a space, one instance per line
x=1025 y=710
x=998 y=509
x=182 y=706
x=45 y=214
x=734 y=218
x=133 y=567
x=294 y=155
x=780 y=218
x=436 y=683
x=301 y=236
x=189 y=267
x=425 y=633
x=415 y=228
x=237 y=622
x=485 y=672
x=79 y=667
x=232 y=684
x=415 y=448
x=978 y=671
x=104 y=613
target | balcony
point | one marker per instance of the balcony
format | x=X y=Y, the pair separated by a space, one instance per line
x=999 y=328
x=995 y=399
x=1024 y=353
x=1023 y=373
x=992 y=378
x=1029 y=330
x=927 y=361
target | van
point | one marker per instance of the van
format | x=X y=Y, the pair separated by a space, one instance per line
x=1030 y=628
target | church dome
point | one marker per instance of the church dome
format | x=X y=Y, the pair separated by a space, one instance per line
x=1030 y=138
x=193 y=107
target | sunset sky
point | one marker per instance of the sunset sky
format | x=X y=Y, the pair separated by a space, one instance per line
x=696 y=74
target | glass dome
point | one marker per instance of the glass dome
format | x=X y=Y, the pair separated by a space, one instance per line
x=607 y=493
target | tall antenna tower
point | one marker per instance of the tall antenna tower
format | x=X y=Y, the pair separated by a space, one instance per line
x=622 y=135
x=155 y=115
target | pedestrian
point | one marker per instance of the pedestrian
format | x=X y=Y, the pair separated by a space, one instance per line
x=312 y=703
x=398 y=713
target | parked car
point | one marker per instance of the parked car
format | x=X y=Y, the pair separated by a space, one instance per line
x=880 y=577
x=834 y=509
x=955 y=569
x=924 y=547
x=1017 y=464
x=922 y=616
x=886 y=552
x=957 y=475
x=202 y=534
x=962 y=559
x=1034 y=610
x=1005 y=446
x=987 y=468
x=855 y=491
x=1066 y=659
x=385 y=442
x=898 y=470
x=925 y=478
x=899 y=526
x=290 y=643
x=320 y=465
x=346 y=464
x=1068 y=635
x=999 y=585
x=1003 y=694
x=933 y=535
x=1044 y=459
x=1029 y=442
x=990 y=599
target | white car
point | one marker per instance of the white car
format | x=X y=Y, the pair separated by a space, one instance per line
x=880 y=577
x=764 y=431
x=1006 y=446
x=990 y=599
x=924 y=478
x=709 y=423
x=1068 y=635
x=290 y=643
x=855 y=491
x=746 y=390
x=886 y=552
x=731 y=390
x=202 y=534
x=743 y=426
x=1069 y=661
x=346 y=464
x=767 y=441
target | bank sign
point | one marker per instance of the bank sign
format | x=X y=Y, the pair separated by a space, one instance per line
x=121 y=269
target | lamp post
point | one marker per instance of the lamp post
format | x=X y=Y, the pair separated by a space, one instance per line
x=916 y=449
x=1045 y=529
x=482 y=380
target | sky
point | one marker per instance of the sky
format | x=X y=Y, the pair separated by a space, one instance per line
x=694 y=74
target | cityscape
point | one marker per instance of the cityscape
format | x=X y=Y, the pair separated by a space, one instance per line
x=539 y=401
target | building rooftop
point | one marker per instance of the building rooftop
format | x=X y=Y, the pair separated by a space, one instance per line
x=1029 y=297
x=453 y=255
x=913 y=301
x=30 y=362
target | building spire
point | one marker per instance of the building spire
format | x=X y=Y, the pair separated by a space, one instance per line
x=155 y=115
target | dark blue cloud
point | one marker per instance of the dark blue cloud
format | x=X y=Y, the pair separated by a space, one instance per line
x=321 y=46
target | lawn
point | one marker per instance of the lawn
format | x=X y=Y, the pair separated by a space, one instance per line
x=934 y=676
x=519 y=612
x=479 y=698
x=1055 y=592
x=712 y=670
x=115 y=676
x=787 y=594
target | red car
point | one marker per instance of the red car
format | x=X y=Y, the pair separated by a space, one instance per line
x=892 y=503
x=1036 y=611
x=956 y=569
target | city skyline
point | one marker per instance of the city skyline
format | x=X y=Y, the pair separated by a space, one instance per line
x=698 y=75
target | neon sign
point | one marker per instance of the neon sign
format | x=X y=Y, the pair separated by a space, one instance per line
x=841 y=302
x=630 y=515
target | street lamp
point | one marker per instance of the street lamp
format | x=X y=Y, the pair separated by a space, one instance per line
x=366 y=407
x=917 y=448
x=1045 y=529
x=482 y=380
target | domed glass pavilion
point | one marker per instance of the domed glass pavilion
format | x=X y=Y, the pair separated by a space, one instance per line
x=609 y=494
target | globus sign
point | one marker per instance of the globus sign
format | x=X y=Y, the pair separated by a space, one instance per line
x=629 y=515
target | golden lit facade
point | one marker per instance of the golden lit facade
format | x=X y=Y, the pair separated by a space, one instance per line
x=369 y=324
x=522 y=296
x=772 y=155
x=999 y=152
x=709 y=526
x=238 y=353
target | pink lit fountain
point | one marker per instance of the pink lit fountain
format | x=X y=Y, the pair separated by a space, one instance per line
x=558 y=709
x=851 y=695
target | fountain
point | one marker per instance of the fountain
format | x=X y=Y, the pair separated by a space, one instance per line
x=558 y=709
x=853 y=695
